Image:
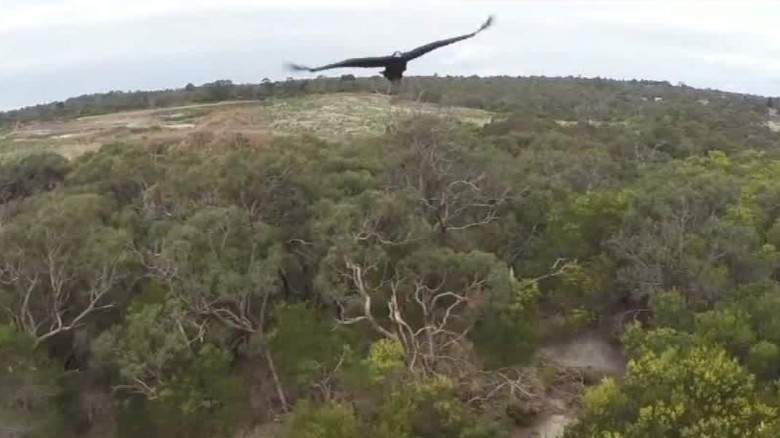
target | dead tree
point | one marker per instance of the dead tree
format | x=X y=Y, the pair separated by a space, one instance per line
x=434 y=339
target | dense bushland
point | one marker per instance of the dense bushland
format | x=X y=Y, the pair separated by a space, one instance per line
x=399 y=286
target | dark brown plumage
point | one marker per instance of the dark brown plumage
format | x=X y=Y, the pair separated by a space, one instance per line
x=395 y=64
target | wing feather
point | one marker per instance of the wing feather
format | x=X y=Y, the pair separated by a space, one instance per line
x=422 y=50
x=373 y=61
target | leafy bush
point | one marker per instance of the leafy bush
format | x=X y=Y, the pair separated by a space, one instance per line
x=32 y=174
x=324 y=421
x=678 y=393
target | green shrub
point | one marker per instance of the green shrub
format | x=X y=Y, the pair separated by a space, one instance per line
x=326 y=421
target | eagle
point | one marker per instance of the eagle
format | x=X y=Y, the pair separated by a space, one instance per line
x=394 y=64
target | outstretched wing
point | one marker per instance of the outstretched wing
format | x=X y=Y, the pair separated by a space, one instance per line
x=373 y=61
x=422 y=50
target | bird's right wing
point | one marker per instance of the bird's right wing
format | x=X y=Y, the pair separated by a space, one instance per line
x=422 y=50
x=374 y=61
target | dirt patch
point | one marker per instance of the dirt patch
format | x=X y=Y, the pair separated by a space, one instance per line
x=548 y=426
x=180 y=126
x=586 y=352
x=588 y=358
x=589 y=122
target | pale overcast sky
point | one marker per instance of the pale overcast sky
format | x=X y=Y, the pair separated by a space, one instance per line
x=55 y=49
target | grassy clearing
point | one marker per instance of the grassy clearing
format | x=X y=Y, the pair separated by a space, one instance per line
x=340 y=116
x=334 y=117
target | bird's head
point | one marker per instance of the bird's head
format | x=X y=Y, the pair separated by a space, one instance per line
x=397 y=54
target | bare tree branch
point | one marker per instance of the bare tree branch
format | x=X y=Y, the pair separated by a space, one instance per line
x=438 y=327
x=46 y=305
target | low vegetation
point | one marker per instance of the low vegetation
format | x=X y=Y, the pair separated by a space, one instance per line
x=395 y=272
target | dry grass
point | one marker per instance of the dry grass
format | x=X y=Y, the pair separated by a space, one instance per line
x=332 y=116
x=339 y=116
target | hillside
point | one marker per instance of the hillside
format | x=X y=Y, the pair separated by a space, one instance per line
x=332 y=116
x=469 y=257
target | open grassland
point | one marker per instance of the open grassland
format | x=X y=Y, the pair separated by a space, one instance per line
x=332 y=117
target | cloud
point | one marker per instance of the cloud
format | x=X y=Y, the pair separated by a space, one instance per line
x=42 y=15
x=141 y=44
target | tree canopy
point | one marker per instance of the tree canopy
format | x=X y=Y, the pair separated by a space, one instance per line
x=403 y=284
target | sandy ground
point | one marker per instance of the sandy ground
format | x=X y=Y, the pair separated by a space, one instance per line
x=588 y=353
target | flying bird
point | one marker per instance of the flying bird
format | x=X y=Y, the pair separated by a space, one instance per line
x=395 y=64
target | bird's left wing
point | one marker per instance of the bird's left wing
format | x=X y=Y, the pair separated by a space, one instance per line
x=372 y=61
x=422 y=50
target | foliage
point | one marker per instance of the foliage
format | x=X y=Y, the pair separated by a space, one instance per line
x=329 y=421
x=505 y=333
x=29 y=386
x=307 y=347
x=398 y=284
x=202 y=399
x=763 y=360
x=427 y=409
x=697 y=392
x=670 y=310
x=385 y=357
x=185 y=382
x=31 y=174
